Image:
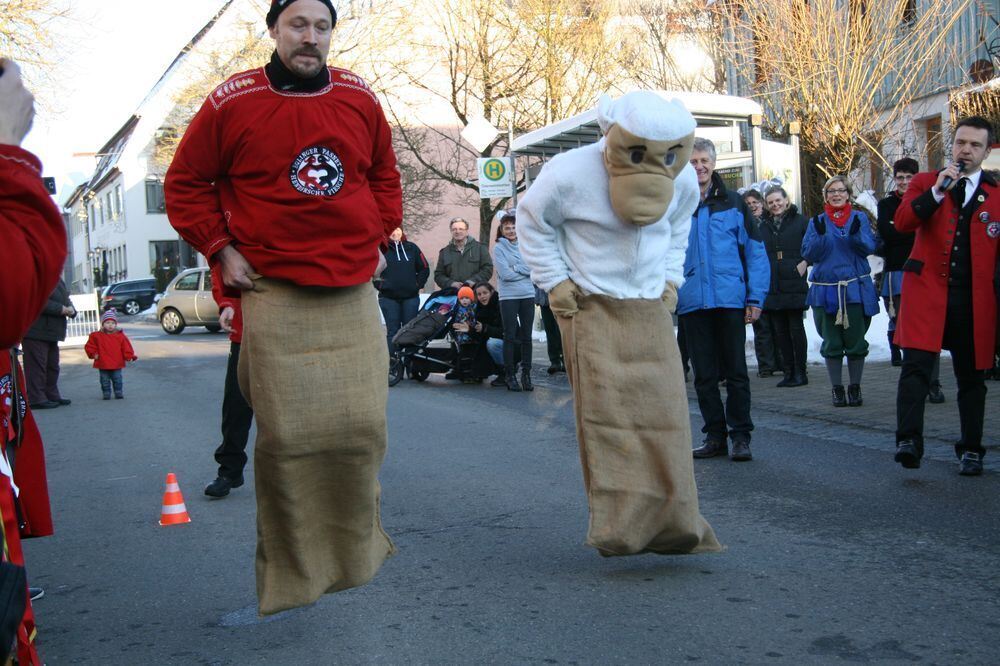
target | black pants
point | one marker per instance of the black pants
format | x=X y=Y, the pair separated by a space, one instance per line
x=764 y=348
x=715 y=341
x=915 y=379
x=553 y=338
x=790 y=338
x=41 y=370
x=518 y=316
x=236 y=419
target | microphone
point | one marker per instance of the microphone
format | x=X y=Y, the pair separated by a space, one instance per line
x=946 y=183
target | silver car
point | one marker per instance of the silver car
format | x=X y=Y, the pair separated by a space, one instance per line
x=188 y=301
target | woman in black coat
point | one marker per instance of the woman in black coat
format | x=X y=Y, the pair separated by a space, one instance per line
x=782 y=230
x=489 y=332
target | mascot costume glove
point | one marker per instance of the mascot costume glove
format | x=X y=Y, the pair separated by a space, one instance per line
x=604 y=229
x=562 y=299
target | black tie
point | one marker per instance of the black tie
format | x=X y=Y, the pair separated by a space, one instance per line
x=958 y=192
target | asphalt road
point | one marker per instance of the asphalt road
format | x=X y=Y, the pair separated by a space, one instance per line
x=834 y=554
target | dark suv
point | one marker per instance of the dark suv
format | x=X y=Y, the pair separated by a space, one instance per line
x=130 y=297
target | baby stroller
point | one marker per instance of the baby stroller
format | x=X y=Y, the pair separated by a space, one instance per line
x=414 y=353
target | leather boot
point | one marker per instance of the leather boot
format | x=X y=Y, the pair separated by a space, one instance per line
x=935 y=395
x=839 y=397
x=854 y=395
x=510 y=375
x=741 y=451
x=526 y=384
x=711 y=448
x=895 y=352
x=787 y=381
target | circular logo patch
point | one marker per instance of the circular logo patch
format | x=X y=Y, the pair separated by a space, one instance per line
x=317 y=171
x=993 y=229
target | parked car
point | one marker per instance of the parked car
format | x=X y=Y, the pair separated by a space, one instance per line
x=188 y=301
x=130 y=297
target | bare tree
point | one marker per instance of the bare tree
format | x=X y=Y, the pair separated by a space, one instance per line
x=673 y=44
x=846 y=69
x=518 y=65
x=26 y=36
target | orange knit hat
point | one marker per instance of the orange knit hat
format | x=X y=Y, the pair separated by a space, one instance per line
x=466 y=292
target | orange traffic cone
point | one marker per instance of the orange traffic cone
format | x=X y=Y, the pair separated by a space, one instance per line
x=174 y=512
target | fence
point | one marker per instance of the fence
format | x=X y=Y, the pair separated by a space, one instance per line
x=87 y=320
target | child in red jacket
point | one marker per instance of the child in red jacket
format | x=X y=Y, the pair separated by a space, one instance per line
x=110 y=348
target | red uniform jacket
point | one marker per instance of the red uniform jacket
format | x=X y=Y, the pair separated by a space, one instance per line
x=110 y=351
x=32 y=243
x=306 y=184
x=920 y=324
x=225 y=300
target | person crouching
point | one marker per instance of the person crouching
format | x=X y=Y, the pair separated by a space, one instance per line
x=111 y=349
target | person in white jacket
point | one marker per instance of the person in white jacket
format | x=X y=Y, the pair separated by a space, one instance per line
x=604 y=230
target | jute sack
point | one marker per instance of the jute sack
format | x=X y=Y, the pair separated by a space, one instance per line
x=633 y=427
x=313 y=367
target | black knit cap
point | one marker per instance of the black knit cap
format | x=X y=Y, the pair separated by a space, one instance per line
x=278 y=6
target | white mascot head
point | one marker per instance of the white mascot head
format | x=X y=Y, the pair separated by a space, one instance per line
x=648 y=142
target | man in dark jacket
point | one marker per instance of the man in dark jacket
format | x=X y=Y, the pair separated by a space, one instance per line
x=41 y=350
x=406 y=272
x=464 y=261
x=726 y=276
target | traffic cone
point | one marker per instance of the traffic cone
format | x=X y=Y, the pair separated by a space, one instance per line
x=174 y=512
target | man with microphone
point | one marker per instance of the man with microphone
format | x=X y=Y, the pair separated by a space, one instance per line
x=950 y=302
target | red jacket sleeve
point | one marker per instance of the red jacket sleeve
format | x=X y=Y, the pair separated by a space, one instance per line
x=222 y=299
x=918 y=203
x=383 y=176
x=193 y=205
x=32 y=243
x=127 y=352
x=91 y=347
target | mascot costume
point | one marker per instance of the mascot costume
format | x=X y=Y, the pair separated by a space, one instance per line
x=604 y=229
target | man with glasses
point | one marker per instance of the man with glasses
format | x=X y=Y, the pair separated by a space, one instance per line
x=464 y=261
x=950 y=297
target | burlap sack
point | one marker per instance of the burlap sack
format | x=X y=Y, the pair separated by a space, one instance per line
x=313 y=367
x=633 y=427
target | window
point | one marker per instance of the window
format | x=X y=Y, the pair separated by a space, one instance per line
x=107 y=207
x=208 y=281
x=155 y=202
x=188 y=282
x=935 y=143
x=91 y=214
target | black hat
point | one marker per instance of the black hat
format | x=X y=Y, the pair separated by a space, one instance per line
x=278 y=6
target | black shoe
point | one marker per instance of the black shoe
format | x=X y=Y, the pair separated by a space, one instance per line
x=560 y=367
x=970 y=464
x=553 y=369
x=222 y=485
x=64 y=401
x=36 y=593
x=107 y=396
x=48 y=404
x=526 y=384
x=711 y=448
x=854 y=395
x=119 y=396
x=510 y=378
x=935 y=395
x=839 y=397
x=741 y=451
x=896 y=354
x=907 y=454
x=794 y=380
x=499 y=380
x=787 y=381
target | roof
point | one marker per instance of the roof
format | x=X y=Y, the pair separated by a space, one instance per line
x=582 y=129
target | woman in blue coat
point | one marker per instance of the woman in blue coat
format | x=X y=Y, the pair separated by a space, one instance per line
x=841 y=292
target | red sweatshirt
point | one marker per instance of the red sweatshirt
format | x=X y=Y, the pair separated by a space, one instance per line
x=306 y=184
x=110 y=351
x=32 y=243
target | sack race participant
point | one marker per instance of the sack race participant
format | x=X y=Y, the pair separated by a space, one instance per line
x=287 y=180
x=604 y=229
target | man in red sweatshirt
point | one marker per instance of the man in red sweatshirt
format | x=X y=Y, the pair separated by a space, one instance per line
x=32 y=252
x=286 y=180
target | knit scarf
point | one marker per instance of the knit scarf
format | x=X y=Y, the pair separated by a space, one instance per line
x=839 y=215
x=286 y=80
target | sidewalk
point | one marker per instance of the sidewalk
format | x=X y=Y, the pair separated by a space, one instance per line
x=876 y=416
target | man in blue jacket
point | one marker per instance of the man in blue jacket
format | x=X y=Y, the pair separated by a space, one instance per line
x=726 y=276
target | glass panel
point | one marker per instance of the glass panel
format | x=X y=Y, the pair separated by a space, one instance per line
x=188 y=282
